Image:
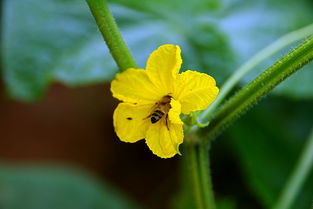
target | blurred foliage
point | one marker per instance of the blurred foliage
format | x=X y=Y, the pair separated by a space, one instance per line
x=56 y=41
x=38 y=187
x=268 y=148
x=59 y=41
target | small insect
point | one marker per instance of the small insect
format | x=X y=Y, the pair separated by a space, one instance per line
x=161 y=109
x=156 y=116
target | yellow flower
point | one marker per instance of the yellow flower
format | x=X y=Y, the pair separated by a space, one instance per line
x=153 y=100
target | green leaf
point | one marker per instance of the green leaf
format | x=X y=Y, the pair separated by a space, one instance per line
x=226 y=203
x=268 y=153
x=39 y=187
x=55 y=40
x=254 y=91
x=218 y=39
x=252 y=26
x=299 y=86
x=58 y=41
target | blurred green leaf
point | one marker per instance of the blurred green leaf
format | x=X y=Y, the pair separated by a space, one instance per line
x=52 y=41
x=59 y=41
x=55 y=188
x=217 y=39
x=268 y=146
x=252 y=25
x=226 y=203
x=298 y=86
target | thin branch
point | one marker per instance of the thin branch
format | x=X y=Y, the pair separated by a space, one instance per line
x=264 y=54
x=297 y=178
x=259 y=87
x=111 y=34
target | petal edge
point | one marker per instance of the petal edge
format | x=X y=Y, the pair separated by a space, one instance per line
x=163 y=66
x=174 y=112
x=164 y=142
x=195 y=91
x=130 y=121
x=134 y=86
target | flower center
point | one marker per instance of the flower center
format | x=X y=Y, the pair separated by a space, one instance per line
x=161 y=109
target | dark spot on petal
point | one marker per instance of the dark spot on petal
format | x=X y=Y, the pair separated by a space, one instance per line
x=129 y=118
x=135 y=103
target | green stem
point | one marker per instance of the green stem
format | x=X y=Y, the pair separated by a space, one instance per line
x=297 y=178
x=198 y=162
x=194 y=174
x=111 y=34
x=205 y=176
x=254 y=62
x=259 y=87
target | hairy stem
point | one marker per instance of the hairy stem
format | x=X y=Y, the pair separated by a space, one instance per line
x=205 y=176
x=111 y=34
x=298 y=176
x=254 y=62
x=259 y=87
x=198 y=155
x=194 y=174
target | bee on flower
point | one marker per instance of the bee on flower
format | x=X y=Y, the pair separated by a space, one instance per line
x=153 y=99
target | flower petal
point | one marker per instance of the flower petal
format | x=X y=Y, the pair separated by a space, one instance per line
x=131 y=122
x=164 y=141
x=163 y=66
x=195 y=91
x=174 y=112
x=134 y=86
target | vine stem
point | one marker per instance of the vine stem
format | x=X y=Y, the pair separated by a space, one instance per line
x=297 y=178
x=192 y=163
x=205 y=176
x=259 y=87
x=254 y=62
x=200 y=174
x=111 y=34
